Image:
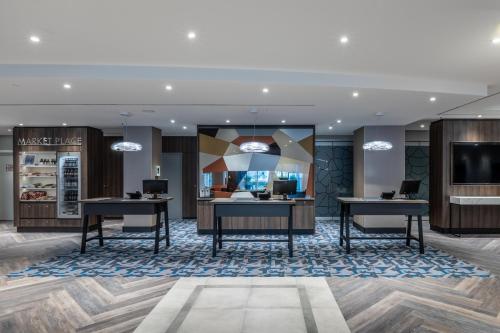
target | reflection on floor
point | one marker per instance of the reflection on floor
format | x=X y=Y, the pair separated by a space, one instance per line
x=247 y=305
x=315 y=255
x=117 y=304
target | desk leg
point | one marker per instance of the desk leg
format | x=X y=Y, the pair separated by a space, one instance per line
x=420 y=235
x=290 y=232
x=167 y=226
x=459 y=220
x=341 y=240
x=157 y=231
x=84 y=233
x=408 y=231
x=219 y=227
x=99 y=229
x=214 y=234
x=347 y=233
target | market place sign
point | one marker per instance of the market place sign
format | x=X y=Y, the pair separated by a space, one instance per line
x=46 y=141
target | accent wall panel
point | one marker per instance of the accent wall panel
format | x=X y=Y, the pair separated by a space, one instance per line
x=224 y=168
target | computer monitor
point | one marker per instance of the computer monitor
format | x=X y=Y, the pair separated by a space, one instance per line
x=155 y=187
x=284 y=187
x=409 y=188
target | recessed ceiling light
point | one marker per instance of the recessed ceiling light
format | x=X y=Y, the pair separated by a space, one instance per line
x=290 y=141
x=265 y=90
x=432 y=99
x=422 y=125
x=172 y=121
x=64 y=124
x=191 y=35
x=339 y=121
x=496 y=41
x=379 y=114
x=283 y=121
x=480 y=116
x=184 y=127
x=228 y=121
x=21 y=124
x=344 y=39
x=35 y=39
x=67 y=86
x=168 y=87
x=330 y=127
x=355 y=94
x=9 y=129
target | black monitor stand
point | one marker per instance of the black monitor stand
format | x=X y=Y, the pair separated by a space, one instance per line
x=154 y=197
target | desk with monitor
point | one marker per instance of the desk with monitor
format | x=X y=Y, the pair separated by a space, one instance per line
x=136 y=205
x=378 y=206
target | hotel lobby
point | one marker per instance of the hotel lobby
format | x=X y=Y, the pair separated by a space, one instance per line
x=283 y=166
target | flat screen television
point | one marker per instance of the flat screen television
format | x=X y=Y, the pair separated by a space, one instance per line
x=476 y=163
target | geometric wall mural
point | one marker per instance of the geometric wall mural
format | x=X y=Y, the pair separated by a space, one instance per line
x=223 y=167
x=334 y=178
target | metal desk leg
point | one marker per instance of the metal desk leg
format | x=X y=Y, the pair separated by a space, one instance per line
x=459 y=220
x=214 y=233
x=408 y=231
x=347 y=233
x=341 y=240
x=290 y=233
x=420 y=235
x=219 y=227
x=99 y=229
x=84 y=233
x=157 y=231
x=167 y=226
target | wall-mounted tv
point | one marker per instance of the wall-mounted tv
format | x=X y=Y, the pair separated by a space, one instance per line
x=476 y=163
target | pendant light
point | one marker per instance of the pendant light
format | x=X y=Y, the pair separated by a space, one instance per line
x=254 y=146
x=126 y=145
x=377 y=145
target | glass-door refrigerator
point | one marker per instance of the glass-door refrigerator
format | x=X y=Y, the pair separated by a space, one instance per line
x=68 y=185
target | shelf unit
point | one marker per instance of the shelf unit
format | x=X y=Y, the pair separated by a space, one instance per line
x=49 y=208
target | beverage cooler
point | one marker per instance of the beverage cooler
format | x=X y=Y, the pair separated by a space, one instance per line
x=69 y=185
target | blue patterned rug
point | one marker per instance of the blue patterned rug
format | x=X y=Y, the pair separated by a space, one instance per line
x=314 y=255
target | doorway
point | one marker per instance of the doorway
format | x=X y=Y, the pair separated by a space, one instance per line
x=171 y=169
x=6 y=187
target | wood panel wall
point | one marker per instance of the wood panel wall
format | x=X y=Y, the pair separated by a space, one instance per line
x=188 y=146
x=112 y=168
x=474 y=218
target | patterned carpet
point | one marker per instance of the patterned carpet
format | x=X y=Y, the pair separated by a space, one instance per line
x=315 y=255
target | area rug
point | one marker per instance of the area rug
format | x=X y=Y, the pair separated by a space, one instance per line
x=314 y=255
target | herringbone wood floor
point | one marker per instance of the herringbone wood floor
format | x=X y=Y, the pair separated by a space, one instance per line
x=119 y=304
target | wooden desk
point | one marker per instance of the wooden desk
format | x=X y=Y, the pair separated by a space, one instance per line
x=119 y=206
x=248 y=208
x=362 y=206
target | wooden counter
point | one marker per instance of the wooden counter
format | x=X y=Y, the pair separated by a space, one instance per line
x=303 y=220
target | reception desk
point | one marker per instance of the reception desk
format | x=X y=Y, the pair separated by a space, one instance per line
x=303 y=220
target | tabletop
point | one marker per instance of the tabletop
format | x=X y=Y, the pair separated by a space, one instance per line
x=380 y=201
x=234 y=201
x=124 y=200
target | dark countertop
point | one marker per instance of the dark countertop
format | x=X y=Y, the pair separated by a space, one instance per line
x=296 y=199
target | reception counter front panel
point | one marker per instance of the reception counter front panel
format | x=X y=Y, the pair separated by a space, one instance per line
x=303 y=220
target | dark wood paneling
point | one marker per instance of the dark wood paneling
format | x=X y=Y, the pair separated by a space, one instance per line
x=187 y=145
x=112 y=168
x=443 y=134
x=189 y=185
x=179 y=144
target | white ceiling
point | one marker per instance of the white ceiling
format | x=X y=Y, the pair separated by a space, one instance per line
x=119 y=55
